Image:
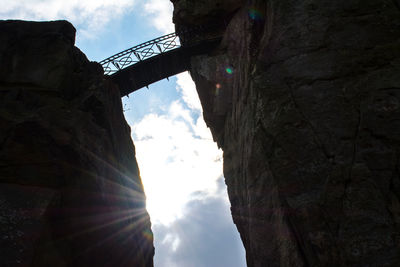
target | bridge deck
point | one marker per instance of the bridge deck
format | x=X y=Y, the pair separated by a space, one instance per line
x=159 y=67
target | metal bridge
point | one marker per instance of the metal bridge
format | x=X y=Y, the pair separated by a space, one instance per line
x=154 y=60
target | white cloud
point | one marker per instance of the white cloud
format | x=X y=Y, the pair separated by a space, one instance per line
x=177 y=111
x=161 y=12
x=187 y=87
x=204 y=236
x=89 y=16
x=177 y=157
x=172 y=241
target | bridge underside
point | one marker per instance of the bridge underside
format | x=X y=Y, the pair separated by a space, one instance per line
x=159 y=67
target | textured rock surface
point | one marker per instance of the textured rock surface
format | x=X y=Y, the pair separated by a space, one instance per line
x=70 y=191
x=308 y=116
x=201 y=12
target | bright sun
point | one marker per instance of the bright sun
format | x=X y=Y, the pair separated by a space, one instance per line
x=177 y=158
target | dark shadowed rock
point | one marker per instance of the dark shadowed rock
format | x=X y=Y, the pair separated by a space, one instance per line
x=70 y=190
x=303 y=97
x=188 y=12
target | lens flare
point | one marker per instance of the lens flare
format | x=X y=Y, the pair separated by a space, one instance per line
x=148 y=234
x=217 y=88
x=255 y=14
x=229 y=70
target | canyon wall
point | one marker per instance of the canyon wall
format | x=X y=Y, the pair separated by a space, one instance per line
x=70 y=190
x=304 y=99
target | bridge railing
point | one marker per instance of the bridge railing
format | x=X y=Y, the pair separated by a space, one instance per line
x=157 y=46
x=139 y=53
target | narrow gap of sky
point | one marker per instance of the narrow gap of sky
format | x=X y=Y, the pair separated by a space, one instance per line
x=180 y=165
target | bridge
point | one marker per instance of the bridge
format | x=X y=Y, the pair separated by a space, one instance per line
x=154 y=60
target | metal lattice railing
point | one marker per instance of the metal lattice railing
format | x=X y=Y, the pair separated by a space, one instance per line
x=158 y=46
x=139 y=53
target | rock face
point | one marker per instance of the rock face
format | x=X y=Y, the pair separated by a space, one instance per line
x=304 y=99
x=70 y=190
x=189 y=12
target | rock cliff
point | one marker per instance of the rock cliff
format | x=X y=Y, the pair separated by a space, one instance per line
x=70 y=190
x=304 y=99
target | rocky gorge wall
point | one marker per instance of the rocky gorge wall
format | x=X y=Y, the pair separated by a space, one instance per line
x=304 y=99
x=70 y=190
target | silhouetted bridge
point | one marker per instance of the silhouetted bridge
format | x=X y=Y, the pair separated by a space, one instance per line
x=153 y=60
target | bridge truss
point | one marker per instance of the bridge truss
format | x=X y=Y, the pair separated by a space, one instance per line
x=140 y=53
x=160 y=58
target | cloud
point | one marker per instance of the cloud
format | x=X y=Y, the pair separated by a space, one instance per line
x=177 y=157
x=89 y=16
x=181 y=168
x=161 y=15
x=203 y=237
x=186 y=86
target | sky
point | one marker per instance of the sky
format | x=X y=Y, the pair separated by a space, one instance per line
x=180 y=165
